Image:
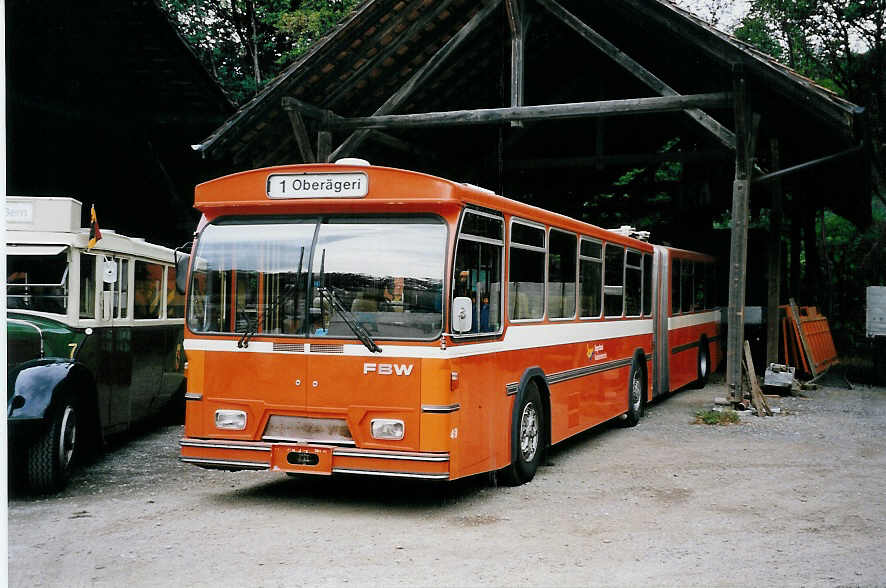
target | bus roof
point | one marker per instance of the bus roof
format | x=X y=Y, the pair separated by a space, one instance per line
x=34 y=221
x=329 y=188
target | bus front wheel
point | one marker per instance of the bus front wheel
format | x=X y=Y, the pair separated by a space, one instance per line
x=51 y=457
x=527 y=433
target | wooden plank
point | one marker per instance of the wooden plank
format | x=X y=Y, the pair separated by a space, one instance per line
x=774 y=261
x=421 y=75
x=720 y=133
x=485 y=116
x=805 y=351
x=757 y=397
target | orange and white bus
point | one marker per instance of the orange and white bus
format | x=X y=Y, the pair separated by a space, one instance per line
x=346 y=318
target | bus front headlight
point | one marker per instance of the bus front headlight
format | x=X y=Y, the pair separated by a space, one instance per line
x=233 y=420
x=388 y=429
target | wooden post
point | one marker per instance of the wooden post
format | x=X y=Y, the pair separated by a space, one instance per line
x=774 y=256
x=739 y=244
x=517 y=24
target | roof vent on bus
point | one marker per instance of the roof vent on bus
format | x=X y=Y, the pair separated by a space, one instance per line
x=629 y=231
x=352 y=161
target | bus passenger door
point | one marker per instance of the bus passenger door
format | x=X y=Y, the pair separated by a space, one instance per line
x=114 y=376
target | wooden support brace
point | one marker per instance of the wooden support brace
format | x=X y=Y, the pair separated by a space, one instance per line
x=301 y=136
x=721 y=133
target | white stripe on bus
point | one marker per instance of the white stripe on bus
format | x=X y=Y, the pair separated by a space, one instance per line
x=517 y=338
x=692 y=320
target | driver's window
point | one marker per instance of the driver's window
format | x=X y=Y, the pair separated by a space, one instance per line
x=478 y=269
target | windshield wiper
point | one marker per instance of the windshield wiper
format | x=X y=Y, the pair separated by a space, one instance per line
x=349 y=319
x=251 y=328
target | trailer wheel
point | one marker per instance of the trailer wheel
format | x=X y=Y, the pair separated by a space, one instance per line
x=636 y=390
x=51 y=457
x=528 y=430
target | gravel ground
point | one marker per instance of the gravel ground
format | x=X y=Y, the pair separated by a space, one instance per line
x=795 y=499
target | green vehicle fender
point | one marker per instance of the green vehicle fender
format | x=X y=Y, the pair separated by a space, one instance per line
x=35 y=386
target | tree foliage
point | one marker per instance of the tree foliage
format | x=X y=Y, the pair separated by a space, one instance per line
x=245 y=43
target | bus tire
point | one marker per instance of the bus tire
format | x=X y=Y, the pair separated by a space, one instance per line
x=636 y=396
x=704 y=364
x=51 y=457
x=528 y=430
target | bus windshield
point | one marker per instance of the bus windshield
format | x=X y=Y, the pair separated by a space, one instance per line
x=274 y=276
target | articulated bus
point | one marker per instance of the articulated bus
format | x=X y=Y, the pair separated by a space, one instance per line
x=346 y=318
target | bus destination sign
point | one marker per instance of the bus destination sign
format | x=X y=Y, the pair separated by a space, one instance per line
x=318 y=185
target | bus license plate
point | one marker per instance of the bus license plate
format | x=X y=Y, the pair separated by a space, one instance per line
x=309 y=459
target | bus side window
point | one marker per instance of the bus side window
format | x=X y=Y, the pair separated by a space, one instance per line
x=526 y=272
x=478 y=269
x=613 y=288
x=647 y=284
x=561 y=275
x=633 y=283
x=699 y=285
x=675 y=287
x=686 y=287
x=590 y=279
x=175 y=302
x=147 y=290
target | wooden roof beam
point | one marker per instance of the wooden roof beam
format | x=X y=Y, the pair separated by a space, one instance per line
x=547 y=112
x=420 y=76
x=721 y=133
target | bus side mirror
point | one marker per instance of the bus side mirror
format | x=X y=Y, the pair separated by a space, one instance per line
x=181 y=271
x=462 y=313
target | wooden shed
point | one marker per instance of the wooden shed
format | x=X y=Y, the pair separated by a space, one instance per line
x=554 y=101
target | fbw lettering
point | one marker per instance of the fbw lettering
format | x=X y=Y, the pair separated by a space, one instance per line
x=387 y=369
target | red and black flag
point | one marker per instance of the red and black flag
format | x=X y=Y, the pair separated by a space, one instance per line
x=95 y=234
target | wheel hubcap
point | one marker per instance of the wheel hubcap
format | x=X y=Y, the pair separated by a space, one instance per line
x=703 y=365
x=528 y=432
x=636 y=392
x=67 y=436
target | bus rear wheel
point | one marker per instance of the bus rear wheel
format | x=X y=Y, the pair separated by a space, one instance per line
x=527 y=432
x=704 y=364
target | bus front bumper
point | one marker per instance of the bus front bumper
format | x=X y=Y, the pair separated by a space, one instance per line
x=307 y=458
